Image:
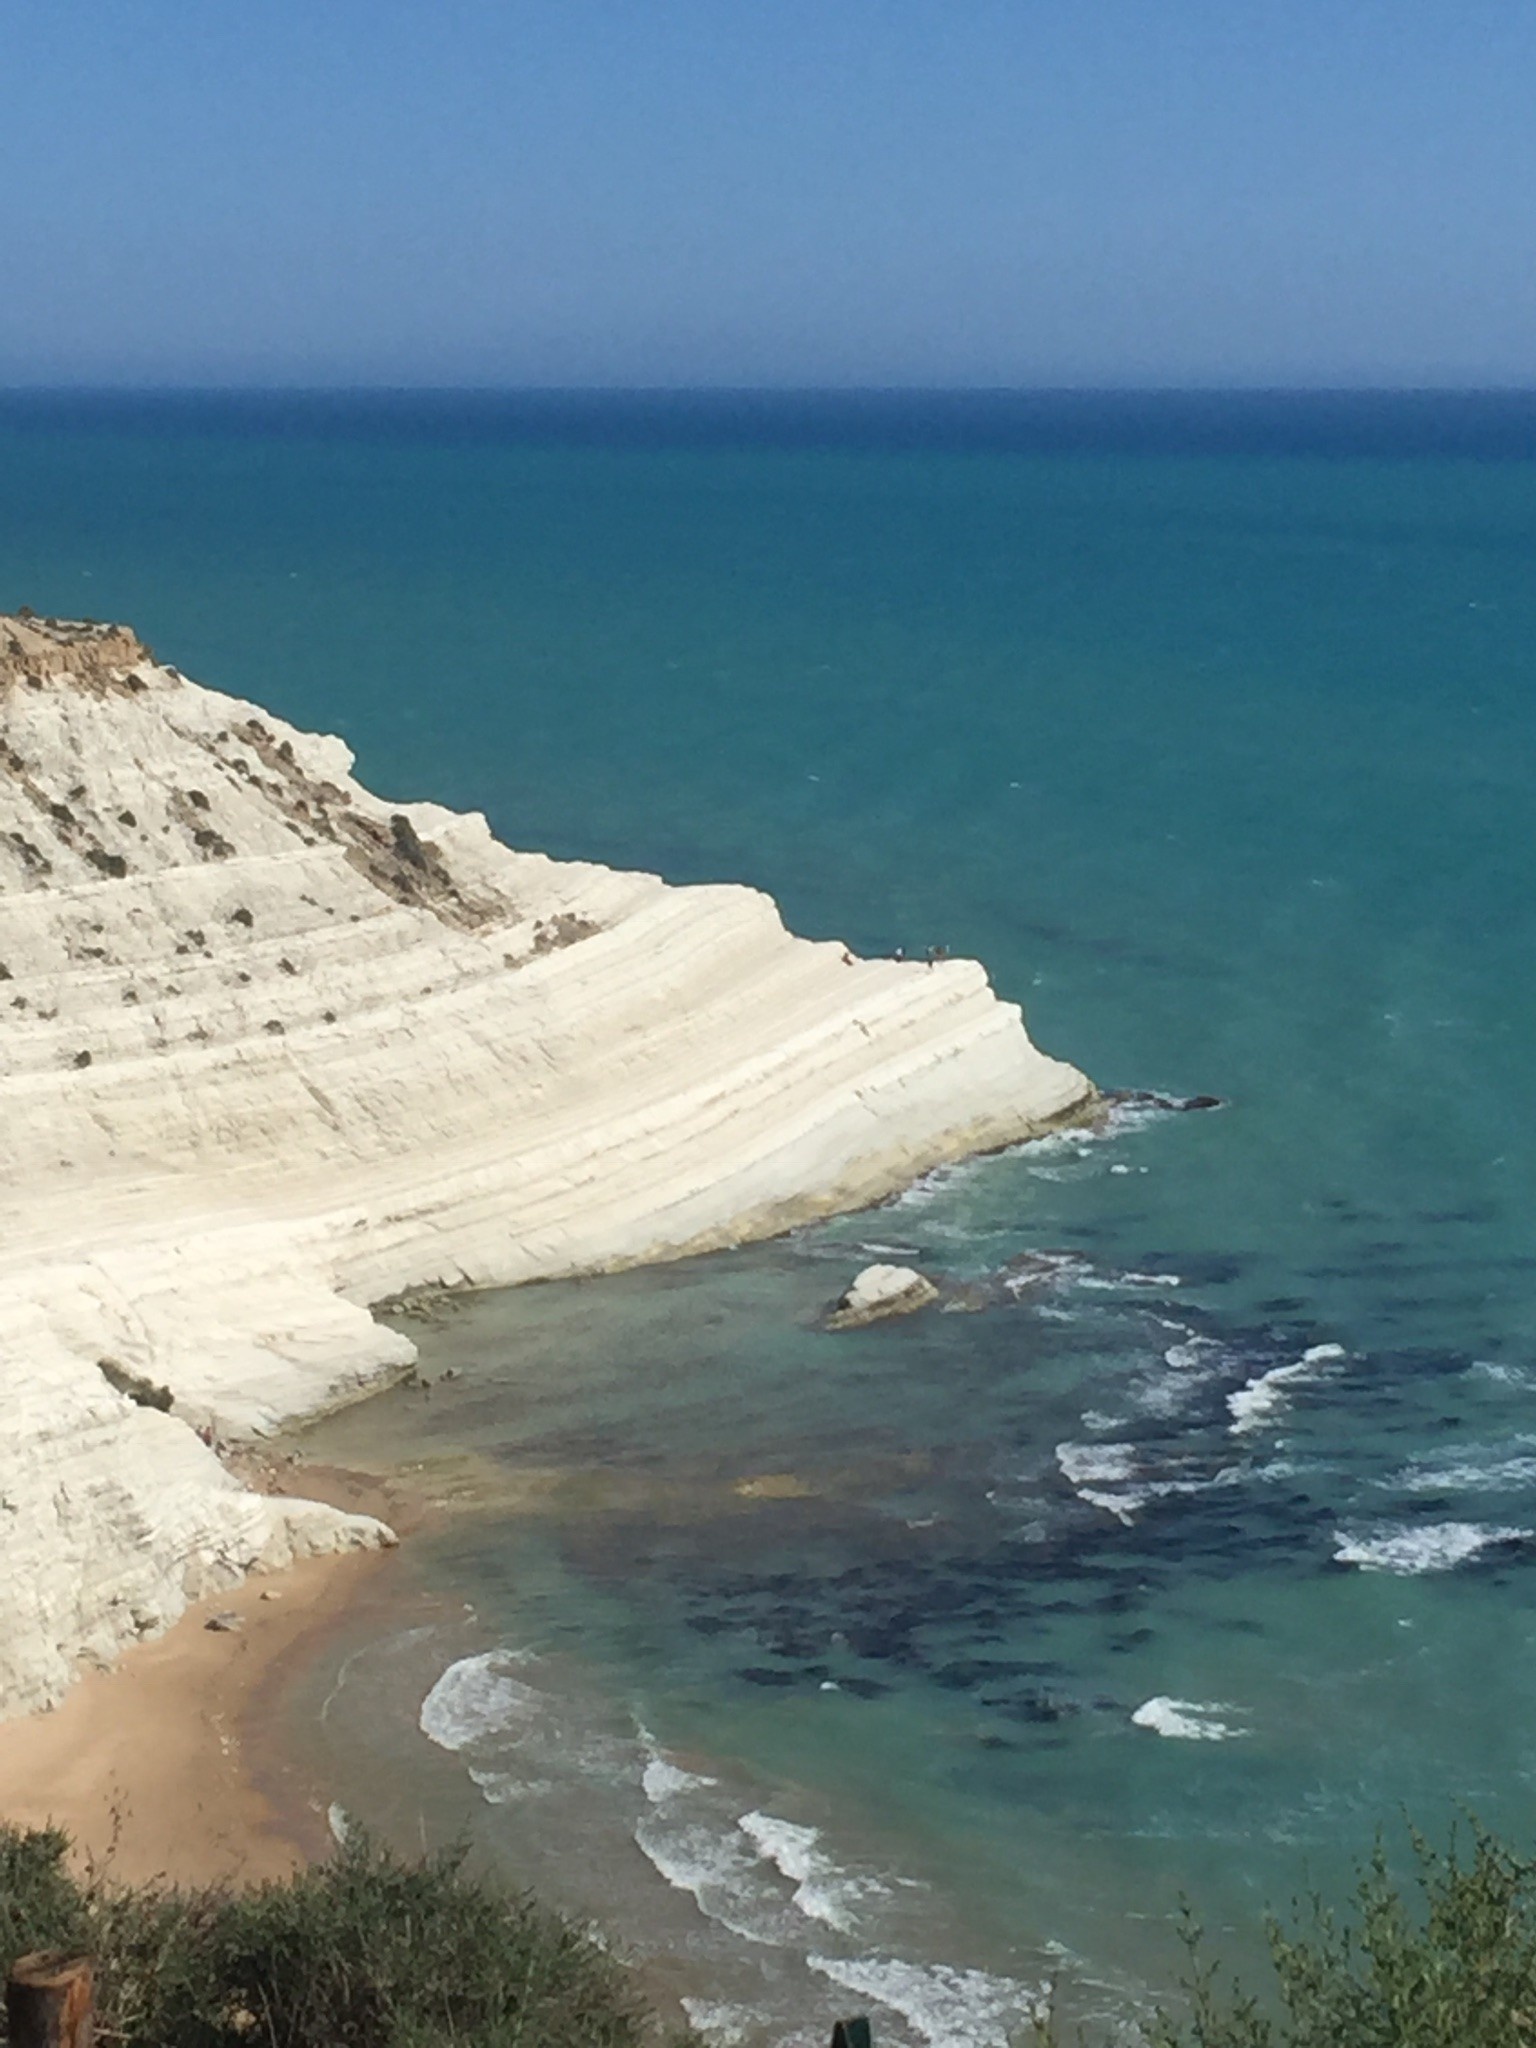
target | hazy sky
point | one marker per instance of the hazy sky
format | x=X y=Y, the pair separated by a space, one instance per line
x=768 y=191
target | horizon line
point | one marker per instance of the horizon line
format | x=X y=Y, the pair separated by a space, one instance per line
x=396 y=388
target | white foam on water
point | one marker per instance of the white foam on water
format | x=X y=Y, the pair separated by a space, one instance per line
x=1191 y=1363
x=930 y=1185
x=661 y=1780
x=1097 y=1463
x=1505 y=1375
x=519 y=1742
x=1099 y=1423
x=1125 y=1118
x=1089 y=1468
x=475 y=1698
x=339 y=1684
x=1275 y=1469
x=1256 y=1405
x=1118 y=1120
x=1187 y=1720
x=508 y=1788
x=766 y=1880
x=735 y=1868
x=1041 y=1269
x=1073 y=1143
x=714 y=1867
x=1123 y=1506
x=1499 y=1475
x=1433 y=1547
x=1190 y=1354
x=944 y=2006
x=823 y=1890
x=693 y=1840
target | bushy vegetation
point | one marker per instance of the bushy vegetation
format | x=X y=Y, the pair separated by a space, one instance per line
x=364 y=1951
x=368 y=1951
x=1447 y=1962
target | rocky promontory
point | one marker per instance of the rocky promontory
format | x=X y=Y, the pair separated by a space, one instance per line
x=272 y=1049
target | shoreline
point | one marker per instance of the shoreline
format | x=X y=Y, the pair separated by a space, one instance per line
x=277 y=1048
x=181 y=1763
x=173 y=1763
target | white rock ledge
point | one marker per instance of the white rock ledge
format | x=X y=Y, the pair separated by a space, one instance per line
x=271 y=1049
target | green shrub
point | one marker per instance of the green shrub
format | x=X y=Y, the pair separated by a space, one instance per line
x=363 y=1951
x=1450 y=1963
x=368 y=1951
x=40 y=1904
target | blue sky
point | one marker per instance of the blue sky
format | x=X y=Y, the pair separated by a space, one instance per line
x=769 y=191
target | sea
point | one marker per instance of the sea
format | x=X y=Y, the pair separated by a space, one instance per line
x=913 y=1670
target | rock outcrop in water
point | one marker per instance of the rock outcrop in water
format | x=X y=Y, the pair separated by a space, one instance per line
x=271 y=1049
x=878 y=1292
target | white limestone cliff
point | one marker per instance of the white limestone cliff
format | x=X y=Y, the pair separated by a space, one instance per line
x=271 y=1050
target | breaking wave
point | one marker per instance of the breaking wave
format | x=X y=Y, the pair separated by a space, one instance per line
x=1434 y=1547
x=944 y=2006
x=475 y=1698
x=1256 y=1405
x=1186 y=1720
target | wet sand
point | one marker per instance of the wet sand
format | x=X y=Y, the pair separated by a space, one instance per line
x=172 y=1763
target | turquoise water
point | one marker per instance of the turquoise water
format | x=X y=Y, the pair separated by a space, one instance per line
x=1209 y=726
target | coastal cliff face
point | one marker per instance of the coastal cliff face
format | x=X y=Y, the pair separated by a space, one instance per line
x=271 y=1049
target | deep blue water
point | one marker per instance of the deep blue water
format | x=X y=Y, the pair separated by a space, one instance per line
x=1207 y=722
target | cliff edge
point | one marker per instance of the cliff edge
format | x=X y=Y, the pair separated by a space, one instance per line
x=272 y=1049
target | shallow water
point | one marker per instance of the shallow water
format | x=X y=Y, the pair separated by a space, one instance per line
x=1205 y=1549
x=1052 y=1608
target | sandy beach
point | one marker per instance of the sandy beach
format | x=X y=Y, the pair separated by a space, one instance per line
x=171 y=1763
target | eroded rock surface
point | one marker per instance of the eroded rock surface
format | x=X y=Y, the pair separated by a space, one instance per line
x=272 y=1049
x=878 y=1292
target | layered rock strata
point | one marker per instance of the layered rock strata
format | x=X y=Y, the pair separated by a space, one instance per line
x=271 y=1050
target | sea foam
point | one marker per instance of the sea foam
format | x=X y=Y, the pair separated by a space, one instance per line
x=1186 y=1720
x=661 y=1780
x=1255 y=1405
x=823 y=1890
x=1433 y=1547
x=1089 y=1469
x=691 y=1838
x=698 y=1857
x=1092 y=1470
x=475 y=1698
x=945 y=2006
x=1464 y=1475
